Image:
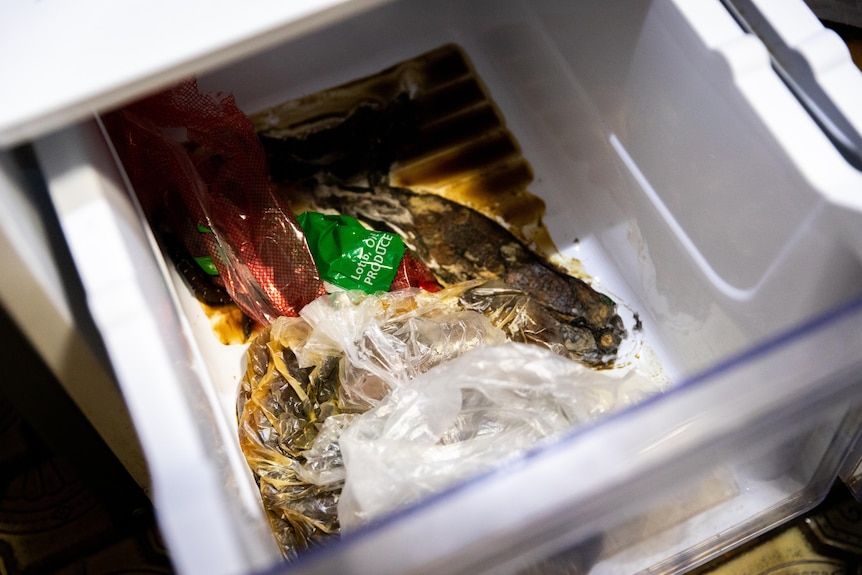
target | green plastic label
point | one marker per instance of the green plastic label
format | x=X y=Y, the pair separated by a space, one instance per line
x=348 y=255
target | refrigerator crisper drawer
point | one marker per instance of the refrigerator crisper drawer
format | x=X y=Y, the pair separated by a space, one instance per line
x=690 y=184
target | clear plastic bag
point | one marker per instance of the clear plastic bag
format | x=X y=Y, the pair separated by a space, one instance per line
x=366 y=403
x=308 y=378
x=465 y=416
x=389 y=340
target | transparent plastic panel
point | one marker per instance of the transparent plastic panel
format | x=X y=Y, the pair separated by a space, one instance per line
x=851 y=473
x=664 y=486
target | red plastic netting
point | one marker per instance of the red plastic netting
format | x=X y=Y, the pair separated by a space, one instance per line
x=412 y=272
x=200 y=172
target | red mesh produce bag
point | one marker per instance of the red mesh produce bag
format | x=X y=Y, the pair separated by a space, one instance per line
x=412 y=272
x=200 y=173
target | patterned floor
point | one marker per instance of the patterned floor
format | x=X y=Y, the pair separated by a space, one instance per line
x=826 y=541
x=54 y=522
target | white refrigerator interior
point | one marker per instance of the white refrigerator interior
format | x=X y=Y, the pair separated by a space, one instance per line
x=674 y=164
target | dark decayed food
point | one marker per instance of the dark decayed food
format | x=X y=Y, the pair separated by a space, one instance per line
x=203 y=286
x=426 y=124
x=367 y=140
x=419 y=150
x=311 y=380
x=304 y=383
x=523 y=319
x=280 y=409
x=459 y=244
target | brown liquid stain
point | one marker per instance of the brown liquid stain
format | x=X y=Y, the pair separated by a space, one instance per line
x=229 y=324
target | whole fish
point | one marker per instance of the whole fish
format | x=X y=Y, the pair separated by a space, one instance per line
x=459 y=244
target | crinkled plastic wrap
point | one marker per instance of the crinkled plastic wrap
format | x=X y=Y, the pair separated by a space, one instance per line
x=465 y=416
x=307 y=378
x=409 y=390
